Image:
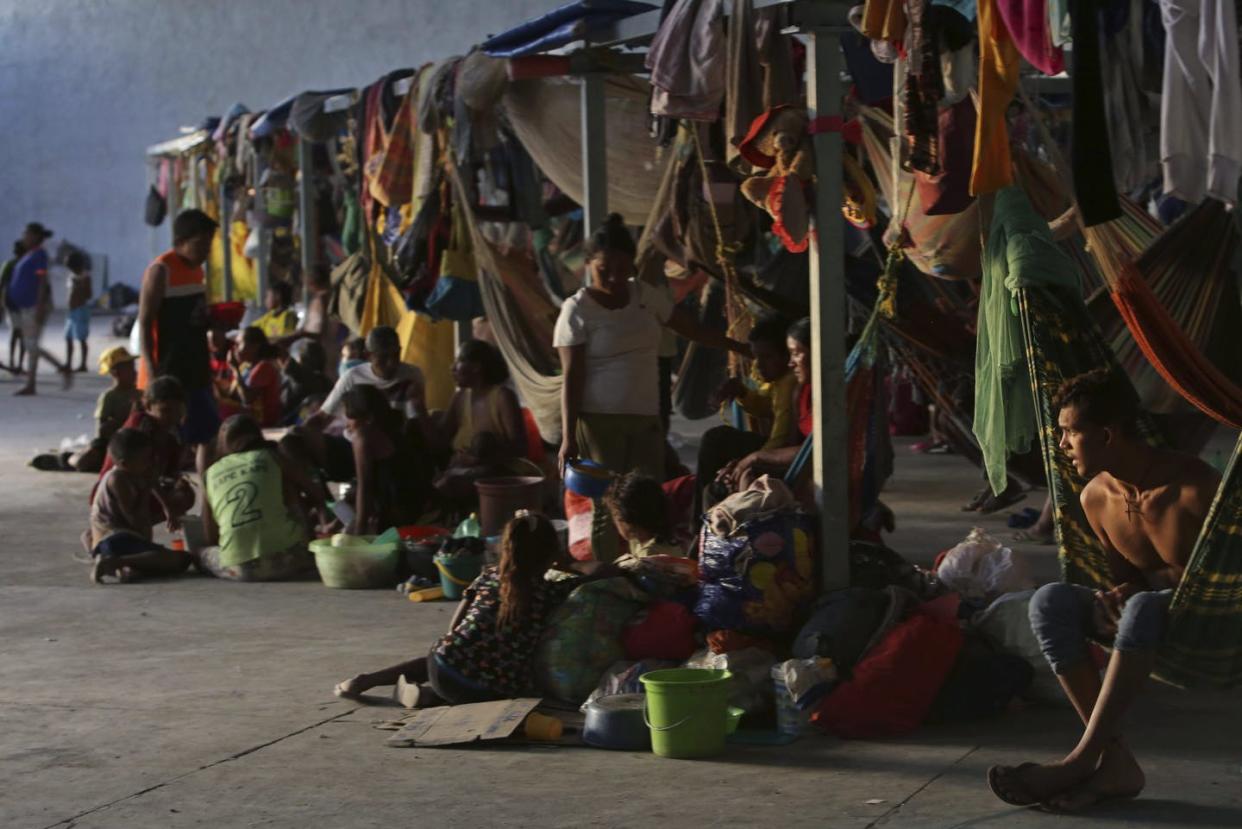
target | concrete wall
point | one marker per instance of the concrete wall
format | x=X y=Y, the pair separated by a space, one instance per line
x=87 y=85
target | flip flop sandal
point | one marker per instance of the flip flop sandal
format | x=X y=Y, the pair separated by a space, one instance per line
x=1033 y=538
x=978 y=501
x=997 y=777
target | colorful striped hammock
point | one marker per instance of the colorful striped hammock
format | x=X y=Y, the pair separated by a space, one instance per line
x=1170 y=289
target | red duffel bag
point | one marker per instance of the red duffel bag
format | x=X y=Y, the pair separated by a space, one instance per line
x=895 y=684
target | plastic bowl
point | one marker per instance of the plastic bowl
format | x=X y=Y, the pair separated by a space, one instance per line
x=587 y=478
x=356 y=566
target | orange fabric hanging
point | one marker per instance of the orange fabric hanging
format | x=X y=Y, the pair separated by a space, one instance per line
x=998 y=81
x=1172 y=353
x=885 y=20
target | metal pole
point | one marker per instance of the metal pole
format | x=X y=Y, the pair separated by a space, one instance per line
x=226 y=230
x=594 y=152
x=831 y=458
x=306 y=214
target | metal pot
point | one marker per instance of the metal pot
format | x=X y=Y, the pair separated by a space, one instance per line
x=616 y=722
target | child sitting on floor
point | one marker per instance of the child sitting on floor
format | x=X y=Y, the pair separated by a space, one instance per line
x=122 y=517
x=159 y=416
x=640 y=512
x=113 y=408
x=487 y=652
x=254 y=526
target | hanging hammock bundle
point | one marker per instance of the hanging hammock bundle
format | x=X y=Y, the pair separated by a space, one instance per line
x=1203 y=646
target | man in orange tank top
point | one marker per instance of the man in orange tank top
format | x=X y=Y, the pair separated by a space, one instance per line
x=173 y=319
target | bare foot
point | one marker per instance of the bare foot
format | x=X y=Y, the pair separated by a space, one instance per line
x=353 y=688
x=1033 y=783
x=25 y=391
x=1118 y=777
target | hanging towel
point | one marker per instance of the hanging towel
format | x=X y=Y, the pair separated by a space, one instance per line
x=1027 y=22
x=687 y=60
x=998 y=81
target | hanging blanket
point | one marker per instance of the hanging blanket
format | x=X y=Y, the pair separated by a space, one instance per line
x=546 y=116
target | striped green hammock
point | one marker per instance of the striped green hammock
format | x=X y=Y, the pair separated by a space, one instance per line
x=1203 y=647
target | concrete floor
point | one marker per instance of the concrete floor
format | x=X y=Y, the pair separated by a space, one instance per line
x=198 y=703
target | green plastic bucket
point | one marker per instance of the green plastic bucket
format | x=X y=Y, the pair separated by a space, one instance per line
x=687 y=711
x=456 y=573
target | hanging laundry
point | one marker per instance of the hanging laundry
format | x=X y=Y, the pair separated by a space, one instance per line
x=1131 y=118
x=948 y=192
x=960 y=72
x=782 y=60
x=1060 y=29
x=761 y=72
x=924 y=89
x=1091 y=159
x=885 y=20
x=1201 y=109
x=687 y=60
x=1027 y=22
x=998 y=81
x=393 y=181
x=744 y=93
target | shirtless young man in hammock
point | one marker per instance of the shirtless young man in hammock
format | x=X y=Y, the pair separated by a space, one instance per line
x=1146 y=506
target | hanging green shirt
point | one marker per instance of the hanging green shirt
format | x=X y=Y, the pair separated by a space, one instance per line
x=1020 y=253
x=246 y=493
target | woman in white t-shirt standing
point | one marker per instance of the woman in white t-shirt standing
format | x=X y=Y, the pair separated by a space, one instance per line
x=608 y=337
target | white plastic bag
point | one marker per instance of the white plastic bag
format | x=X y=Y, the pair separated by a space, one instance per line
x=982 y=568
x=751 y=685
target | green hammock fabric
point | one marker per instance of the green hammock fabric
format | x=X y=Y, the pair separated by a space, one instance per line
x=1203 y=647
x=1020 y=253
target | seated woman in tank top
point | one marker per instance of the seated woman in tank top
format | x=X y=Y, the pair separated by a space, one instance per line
x=483 y=424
